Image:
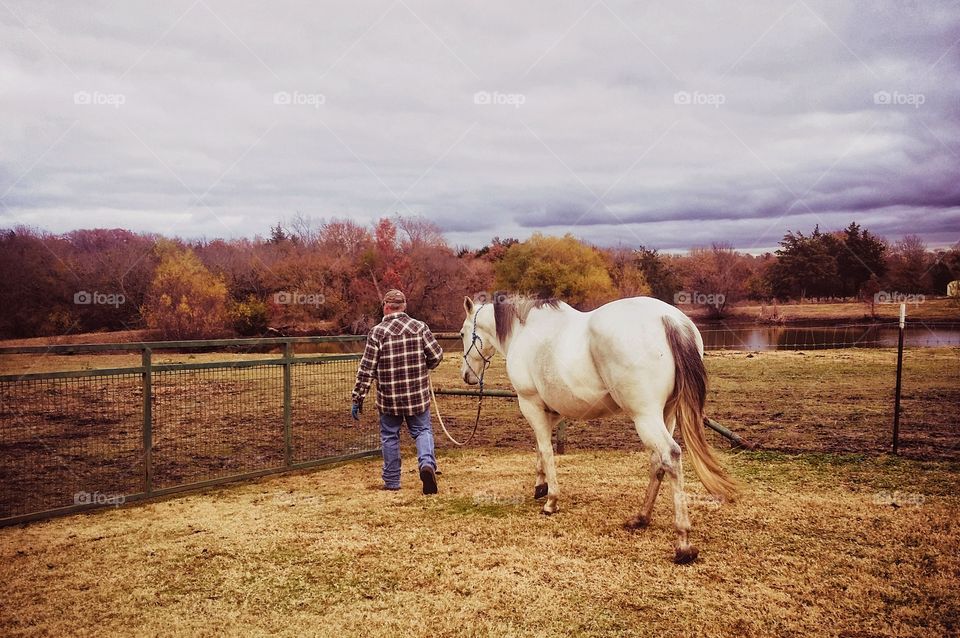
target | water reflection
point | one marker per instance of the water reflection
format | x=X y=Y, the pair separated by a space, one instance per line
x=825 y=337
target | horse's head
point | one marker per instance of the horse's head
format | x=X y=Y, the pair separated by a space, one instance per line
x=478 y=334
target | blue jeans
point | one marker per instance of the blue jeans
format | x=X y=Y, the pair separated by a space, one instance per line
x=422 y=433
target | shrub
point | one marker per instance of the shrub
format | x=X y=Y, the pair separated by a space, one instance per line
x=185 y=301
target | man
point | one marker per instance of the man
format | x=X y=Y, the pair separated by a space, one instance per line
x=399 y=354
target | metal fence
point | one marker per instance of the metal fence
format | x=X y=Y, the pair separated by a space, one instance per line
x=81 y=439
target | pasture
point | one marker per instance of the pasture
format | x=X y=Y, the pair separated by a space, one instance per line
x=830 y=537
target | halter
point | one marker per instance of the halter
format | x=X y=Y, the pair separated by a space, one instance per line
x=474 y=339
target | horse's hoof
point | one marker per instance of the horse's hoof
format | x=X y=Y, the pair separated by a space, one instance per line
x=540 y=491
x=547 y=512
x=637 y=522
x=686 y=555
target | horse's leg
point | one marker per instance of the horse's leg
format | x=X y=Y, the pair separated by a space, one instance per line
x=653 y=487
x=542 y=423
x=540 y=487
x=653 y=432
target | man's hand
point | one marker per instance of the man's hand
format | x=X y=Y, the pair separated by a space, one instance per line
x=355 y=411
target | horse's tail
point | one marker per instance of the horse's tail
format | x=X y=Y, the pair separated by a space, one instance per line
x=689 y=396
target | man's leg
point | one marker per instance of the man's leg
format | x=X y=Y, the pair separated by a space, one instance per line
x=390 y=445
x=422 y=434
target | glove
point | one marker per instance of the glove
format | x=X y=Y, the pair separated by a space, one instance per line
x=355 y=411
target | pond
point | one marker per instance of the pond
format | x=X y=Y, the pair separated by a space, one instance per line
x=795 y=337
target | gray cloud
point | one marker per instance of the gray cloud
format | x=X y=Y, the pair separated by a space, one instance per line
x=668 y=125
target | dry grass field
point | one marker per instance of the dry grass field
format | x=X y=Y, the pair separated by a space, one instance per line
x=831 y=536
x=825 y=545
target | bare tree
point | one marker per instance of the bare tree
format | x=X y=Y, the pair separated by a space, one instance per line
x=716 y=277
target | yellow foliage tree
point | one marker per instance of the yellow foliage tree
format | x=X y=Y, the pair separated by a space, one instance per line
x=628 y=277
x=561 y=267
x=185 y=301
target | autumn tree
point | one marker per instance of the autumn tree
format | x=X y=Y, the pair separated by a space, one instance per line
x=908 y=266
x=38 y=286
x=625 y=271
x=185 y=300
x=113 y=262
x=561 y=267
x=719 y=274
x=496 y=249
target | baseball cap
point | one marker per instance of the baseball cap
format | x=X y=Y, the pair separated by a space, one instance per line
x=394 y=297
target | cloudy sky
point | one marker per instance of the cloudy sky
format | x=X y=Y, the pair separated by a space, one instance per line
x=670 y=124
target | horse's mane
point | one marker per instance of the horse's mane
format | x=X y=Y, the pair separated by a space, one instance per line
x=507 y=307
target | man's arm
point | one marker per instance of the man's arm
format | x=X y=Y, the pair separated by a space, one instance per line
x=431 y=349
x=367 y=369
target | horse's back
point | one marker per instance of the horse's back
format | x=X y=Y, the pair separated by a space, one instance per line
x=630 y=348
x=638 y=320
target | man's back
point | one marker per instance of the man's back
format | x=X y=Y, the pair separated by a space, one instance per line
x=399 y=355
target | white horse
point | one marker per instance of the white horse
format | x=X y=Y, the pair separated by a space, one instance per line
x=640 y=356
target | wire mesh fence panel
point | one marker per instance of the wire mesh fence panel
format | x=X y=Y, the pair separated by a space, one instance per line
x=69 y=441
x=215 y=423
x=321 y=425
x=763 y=338
x=837 y=400
x=930 y=403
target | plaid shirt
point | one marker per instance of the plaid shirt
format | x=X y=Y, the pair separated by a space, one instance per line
x=400 y=352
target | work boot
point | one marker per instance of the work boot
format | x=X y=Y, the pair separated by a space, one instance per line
x=429 y=478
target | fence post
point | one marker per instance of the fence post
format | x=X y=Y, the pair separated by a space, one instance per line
x=287 y=402
x=896 y=400
x=147 y=362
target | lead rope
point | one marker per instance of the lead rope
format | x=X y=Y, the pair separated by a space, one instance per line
x=483 y=371
x=436 y=407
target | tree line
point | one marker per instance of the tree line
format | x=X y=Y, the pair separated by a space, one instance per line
x=328 y=277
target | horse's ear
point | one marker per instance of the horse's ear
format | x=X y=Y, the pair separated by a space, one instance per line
x=468 y=305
